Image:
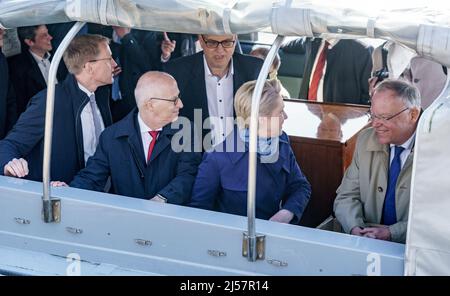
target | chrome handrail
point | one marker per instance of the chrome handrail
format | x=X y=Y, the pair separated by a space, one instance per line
x=256 y=98
x=48 y=206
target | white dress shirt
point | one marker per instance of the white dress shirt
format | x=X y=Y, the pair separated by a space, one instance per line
x=332 y=42
x=408 y=145
x=87 y=126
x=145 y=135
x=220 y=103
x=44 y=64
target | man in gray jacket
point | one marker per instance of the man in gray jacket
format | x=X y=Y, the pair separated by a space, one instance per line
x=373 y=198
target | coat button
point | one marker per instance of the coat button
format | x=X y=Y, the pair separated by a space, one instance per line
x=380 y=189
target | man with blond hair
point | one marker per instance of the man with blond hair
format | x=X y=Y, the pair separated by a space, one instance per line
x=81 y=112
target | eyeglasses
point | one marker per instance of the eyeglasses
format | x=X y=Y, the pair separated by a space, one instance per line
x=104 y=59
x=215 y=43
x=174 y=100
x=373 y=117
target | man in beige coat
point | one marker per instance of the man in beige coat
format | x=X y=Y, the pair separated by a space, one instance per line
x=360 y=202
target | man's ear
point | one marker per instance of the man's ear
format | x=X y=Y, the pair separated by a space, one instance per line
x=149 y=105
x=415 y=113
x=201 y=40
x=28 y=42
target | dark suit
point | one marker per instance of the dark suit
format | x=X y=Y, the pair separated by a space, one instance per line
x=8 y=113
x=349 y=64
x=189 y=72
x=134 y=63
x=27 y=78
x=223 y=176
x=120 y=154
x=26 y=139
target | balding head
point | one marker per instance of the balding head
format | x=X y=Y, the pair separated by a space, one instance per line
x=153 y=84
x=157 y=99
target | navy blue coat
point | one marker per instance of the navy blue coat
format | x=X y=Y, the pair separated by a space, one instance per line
x=8 y=113
x=222 y=181
x=120 y=154
x=26 y=139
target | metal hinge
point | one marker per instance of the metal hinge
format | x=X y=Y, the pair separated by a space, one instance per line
x=74 y=230
x=51 y=210
x=260 y=246
x=143 y=242
x=22 y=221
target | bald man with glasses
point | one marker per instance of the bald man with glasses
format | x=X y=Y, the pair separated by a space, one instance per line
x=373 y=198
x=141 y=153
x=208 y=81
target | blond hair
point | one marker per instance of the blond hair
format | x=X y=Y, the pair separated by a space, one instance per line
x=81 y=50
x=243 y=100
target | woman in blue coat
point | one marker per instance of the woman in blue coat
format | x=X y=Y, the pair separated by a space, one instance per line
x=282 y=191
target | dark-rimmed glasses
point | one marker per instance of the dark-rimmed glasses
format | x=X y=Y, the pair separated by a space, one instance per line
x=215 y=43
x=174 y=100
x=372 y=116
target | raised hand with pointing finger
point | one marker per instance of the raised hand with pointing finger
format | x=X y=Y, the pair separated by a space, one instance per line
x=167 y=47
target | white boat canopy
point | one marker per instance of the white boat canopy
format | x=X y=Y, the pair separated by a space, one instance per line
x=423 y=26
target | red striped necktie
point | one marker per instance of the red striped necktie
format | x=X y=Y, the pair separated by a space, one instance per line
x=154 y=135
x=318 y=73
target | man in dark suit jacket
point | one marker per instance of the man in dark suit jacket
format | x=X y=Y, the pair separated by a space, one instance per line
x=7 y=98
x=29 y=69
x=133 y=62
x=209 y=79
x=139 y=153
x=348 y=67
x=81 y=111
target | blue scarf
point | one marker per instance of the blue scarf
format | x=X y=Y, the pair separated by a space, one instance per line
x=266 y=146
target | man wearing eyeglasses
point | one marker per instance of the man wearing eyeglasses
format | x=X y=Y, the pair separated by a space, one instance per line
x=81 y=112
x=208 y=81
x=141 y=152
x=373 y=198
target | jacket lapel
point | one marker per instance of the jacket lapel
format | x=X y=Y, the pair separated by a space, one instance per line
x=129 y=129
x=163 y=141
x=34 y=72
x=198 y=86
x=311 y=57
x=78 y=99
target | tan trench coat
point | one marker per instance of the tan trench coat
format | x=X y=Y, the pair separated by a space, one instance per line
x=360 y=196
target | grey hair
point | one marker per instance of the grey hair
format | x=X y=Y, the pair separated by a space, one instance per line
x=404 y=90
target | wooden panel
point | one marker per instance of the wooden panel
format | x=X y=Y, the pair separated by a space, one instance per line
x=323 y=138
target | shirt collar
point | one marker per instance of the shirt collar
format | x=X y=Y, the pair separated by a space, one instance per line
x=116 y=38
x=208 y=71
x=408 y=144
x=38 y=59
x=85 y=90
x=331 y=41
x=143 y=127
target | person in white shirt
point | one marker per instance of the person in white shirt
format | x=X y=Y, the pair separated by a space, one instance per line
x=29 y=70
x=81 y=112
x=141 y=153
x=208 y=81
